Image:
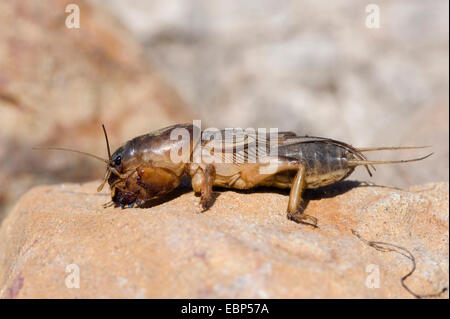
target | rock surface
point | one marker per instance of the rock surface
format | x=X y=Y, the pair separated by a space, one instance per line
x=243 y=247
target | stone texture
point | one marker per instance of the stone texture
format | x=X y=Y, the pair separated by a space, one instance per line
x=243 y=247
x=57 y=85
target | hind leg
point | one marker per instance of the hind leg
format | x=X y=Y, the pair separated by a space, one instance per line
x=297 y=204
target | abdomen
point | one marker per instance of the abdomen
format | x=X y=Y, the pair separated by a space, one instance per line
x=325 y=163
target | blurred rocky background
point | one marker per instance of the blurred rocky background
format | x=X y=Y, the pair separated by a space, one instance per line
x=308 y=66
x=57 y=85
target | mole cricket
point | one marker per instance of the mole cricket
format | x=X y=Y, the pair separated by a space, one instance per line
x=150 y=165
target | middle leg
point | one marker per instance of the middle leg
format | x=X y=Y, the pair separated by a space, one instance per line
x=202 y=182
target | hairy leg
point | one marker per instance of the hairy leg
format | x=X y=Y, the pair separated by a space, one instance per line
x=202 y=182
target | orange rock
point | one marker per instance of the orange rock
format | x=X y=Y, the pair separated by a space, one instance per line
x=243 y=247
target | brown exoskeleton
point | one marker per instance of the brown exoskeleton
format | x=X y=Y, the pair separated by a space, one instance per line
x=143 y=168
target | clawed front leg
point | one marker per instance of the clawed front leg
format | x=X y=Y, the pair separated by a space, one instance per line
x=202 y=182
x=296 y=204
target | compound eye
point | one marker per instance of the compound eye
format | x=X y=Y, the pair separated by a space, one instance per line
x=117 y=161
